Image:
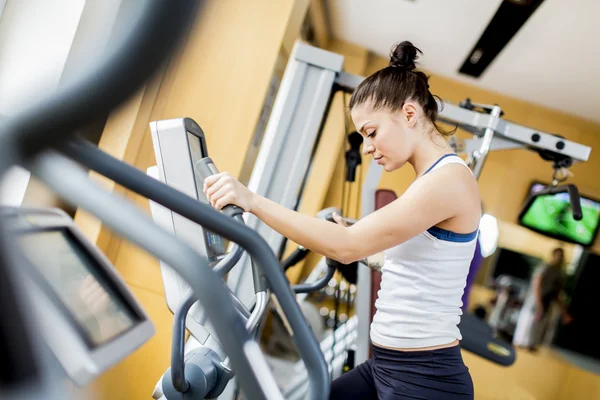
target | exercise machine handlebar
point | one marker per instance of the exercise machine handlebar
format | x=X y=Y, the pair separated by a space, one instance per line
x=179 y=321
x=574 y=199
x=70 y=182
x=205 y=167
x=133 y=179
x=298 y=255
x=318 y=284
x=225 y=265
x=332 y=265
x=178 y=346
x=575 y=202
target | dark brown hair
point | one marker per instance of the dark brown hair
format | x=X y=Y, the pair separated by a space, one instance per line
x=398 y=83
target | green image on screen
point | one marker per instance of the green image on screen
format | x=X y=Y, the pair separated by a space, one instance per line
x=553 y=215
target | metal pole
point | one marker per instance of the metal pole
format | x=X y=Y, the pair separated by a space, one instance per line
x=477 y=159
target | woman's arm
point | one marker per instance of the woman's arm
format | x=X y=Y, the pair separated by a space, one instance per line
x=430 y=200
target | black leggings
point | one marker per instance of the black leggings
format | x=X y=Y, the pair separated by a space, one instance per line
x=393 y=374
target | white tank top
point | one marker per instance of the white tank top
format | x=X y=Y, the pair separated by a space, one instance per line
x=419 y=301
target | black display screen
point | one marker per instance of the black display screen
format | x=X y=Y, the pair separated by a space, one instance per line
x=215 y=246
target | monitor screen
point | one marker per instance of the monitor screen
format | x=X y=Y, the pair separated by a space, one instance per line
x=514 y=264
x=79 y=283
x=552 y=215
x=215 y=246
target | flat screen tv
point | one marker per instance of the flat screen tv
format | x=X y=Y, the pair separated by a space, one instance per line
x=551 y=215
x=514 y=264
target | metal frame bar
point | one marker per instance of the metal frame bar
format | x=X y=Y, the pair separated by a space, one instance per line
x=478 y=157
x=287 y=146
x=522 y=136
x=363 y=287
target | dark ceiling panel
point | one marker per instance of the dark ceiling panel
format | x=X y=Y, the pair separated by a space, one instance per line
x=510 y=17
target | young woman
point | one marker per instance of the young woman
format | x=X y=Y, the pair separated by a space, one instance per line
x=428 y=236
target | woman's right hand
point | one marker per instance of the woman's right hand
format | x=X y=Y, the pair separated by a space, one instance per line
x=223 y=189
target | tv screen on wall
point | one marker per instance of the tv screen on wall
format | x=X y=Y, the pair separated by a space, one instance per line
x=551 y=215
x=515 y=264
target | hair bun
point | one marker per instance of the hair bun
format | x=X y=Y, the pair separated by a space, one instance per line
x=404 y=55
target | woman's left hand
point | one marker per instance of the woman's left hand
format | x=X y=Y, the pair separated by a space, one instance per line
x=223 y=189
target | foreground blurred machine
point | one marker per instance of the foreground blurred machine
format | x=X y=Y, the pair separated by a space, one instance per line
x=104 y=333
x=90 y=318
x=28 y=367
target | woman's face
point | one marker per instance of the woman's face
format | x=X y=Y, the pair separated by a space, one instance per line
x=386 y=135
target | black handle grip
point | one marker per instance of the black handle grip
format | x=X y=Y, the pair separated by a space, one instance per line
x=178 y=345
x=205 y=168
x=259 y=279
x=575 y=202
x=318 y=284
x=298 y=255
x=232 y=210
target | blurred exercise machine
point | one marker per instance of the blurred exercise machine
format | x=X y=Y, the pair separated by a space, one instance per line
x=28 y=367
x=282 y=177
x=183 y=163
x=90 y=318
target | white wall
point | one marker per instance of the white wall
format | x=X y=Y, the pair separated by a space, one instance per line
x=2 y=4
x=13 y=187
x=42 y=45
x=35 y=39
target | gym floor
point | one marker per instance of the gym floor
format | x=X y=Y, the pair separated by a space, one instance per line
x=547 y=374
x=544 y=375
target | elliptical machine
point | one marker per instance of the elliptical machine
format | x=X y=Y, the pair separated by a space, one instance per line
x=199 y=367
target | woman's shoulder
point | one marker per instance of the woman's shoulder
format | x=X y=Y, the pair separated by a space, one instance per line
x=458 y=192
x=457 y=181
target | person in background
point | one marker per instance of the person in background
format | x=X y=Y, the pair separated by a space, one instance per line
x=546 y=288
